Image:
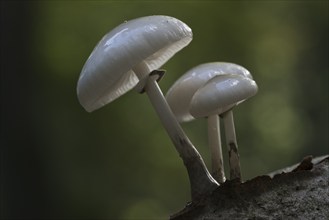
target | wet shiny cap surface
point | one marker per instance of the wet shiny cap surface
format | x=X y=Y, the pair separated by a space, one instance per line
x=220 y=94
x=179 y=96
x=108 y=74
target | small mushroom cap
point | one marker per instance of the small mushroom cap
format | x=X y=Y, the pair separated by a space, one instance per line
x=220 y=94
x=108 y=74
x=180 y=94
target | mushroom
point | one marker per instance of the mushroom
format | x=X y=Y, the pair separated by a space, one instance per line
x=229 y=90
x=129 y=57
x=209 y=90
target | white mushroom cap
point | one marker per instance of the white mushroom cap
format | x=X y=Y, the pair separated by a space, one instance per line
x=108 y=73
x=220 y=94
x=179 y=96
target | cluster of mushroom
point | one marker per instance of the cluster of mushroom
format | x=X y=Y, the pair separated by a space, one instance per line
x=129 y=57
x=208 y=91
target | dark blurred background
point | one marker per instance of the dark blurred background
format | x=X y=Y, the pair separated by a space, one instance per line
x=60 y=162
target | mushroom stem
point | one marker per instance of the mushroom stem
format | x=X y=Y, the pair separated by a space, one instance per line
x=200 y=179
x=234 y=163
x=215 y=149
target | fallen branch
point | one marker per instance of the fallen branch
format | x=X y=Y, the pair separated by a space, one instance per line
x=297 y=192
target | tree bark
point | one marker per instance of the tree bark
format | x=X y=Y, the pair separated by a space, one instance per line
x=297 y=192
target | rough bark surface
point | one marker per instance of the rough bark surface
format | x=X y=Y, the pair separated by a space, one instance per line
x=297 y=192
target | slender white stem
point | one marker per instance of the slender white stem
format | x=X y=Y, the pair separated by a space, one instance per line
x=215 y=146
x=200 y=179
x=234 y=161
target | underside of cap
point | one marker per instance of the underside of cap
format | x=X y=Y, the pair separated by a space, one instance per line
x=108 y=73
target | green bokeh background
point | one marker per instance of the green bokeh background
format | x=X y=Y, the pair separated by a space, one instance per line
x=59 y=161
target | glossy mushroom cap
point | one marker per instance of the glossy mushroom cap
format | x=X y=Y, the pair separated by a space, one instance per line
x=108 y=74
x=220 y=94
x=179 y=96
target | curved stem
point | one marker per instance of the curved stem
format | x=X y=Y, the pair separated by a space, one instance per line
x=234 y=161
x=200 y=179
x=215 y=148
